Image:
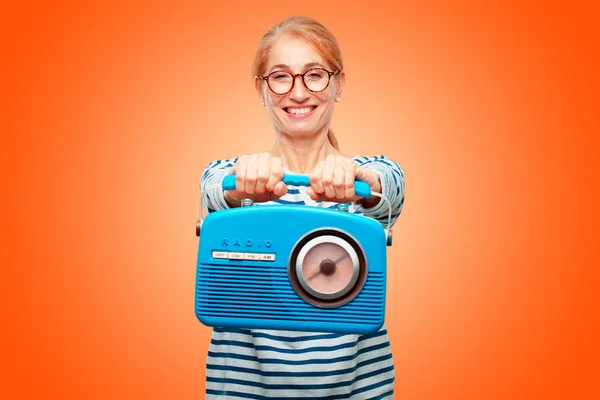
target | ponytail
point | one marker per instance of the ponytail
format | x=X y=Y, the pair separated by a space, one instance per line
x=332 y=139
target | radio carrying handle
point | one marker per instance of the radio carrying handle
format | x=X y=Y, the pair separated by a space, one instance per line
x=361 y=189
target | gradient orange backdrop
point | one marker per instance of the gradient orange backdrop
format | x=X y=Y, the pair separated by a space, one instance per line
x=111 y=111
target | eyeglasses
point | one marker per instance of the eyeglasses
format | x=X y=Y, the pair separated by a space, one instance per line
x=315 y=80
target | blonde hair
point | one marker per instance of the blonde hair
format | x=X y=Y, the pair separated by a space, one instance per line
x=317 y=36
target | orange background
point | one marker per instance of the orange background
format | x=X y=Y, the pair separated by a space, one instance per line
x=111 y=112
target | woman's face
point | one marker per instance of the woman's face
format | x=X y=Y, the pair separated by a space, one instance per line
x=300 y=112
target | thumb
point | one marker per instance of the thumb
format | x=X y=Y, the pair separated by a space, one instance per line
x=364 y=175
x=280 y=189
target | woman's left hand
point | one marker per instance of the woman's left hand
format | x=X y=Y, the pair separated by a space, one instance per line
x=333 y=180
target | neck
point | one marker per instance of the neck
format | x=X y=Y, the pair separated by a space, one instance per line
x=301 y=154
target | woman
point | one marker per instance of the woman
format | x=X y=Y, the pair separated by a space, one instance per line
x=299 y=76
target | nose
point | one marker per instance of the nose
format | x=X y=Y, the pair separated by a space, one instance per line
x=299 y=91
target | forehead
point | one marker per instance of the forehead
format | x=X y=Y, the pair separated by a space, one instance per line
x=293 y=52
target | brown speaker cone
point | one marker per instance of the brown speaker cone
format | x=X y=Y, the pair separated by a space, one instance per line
x=327 y=268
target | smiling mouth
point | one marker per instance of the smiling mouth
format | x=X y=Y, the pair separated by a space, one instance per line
x=299 y=110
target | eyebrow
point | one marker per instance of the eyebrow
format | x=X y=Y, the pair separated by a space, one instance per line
x=283 y=66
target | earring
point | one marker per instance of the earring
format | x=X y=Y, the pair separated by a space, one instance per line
x=337 y=99
x=262 y=103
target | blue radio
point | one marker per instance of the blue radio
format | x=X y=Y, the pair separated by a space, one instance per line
x=286 y=267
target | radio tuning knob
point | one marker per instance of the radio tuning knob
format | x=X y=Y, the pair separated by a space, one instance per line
x=198 y=227
x=388 y=237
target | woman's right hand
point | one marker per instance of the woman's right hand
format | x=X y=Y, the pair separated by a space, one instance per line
x=257 y=177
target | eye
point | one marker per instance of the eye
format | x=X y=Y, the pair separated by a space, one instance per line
x=315 y=75
x=280 y=76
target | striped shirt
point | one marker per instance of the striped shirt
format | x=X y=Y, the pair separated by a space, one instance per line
x=267 y=364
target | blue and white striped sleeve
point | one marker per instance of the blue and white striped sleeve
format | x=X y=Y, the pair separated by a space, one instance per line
x=213 y=175
x=392 y=186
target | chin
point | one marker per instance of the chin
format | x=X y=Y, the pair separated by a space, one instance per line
x=301 y=132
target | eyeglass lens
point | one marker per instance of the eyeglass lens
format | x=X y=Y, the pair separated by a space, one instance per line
x=315 y=80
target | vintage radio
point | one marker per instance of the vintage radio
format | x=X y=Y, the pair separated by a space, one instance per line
x=291 y=267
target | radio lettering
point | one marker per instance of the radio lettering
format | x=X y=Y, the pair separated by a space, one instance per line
x=249 y=243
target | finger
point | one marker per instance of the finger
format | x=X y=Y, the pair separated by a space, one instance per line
x=339 y=178
x=275 y=174
x=263 y=172
x=327 y=177
x=349 y=176
x=321 y=197
x=251 y=174
x=315 y=178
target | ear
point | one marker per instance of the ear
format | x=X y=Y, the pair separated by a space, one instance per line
x=258 y=85
x=340 y=82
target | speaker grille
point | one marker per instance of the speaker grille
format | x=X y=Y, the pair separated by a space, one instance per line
x=264 y=292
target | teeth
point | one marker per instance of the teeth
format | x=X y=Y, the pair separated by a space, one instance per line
x=299 y=111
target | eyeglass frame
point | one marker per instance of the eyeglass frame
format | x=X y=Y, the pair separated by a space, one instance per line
x=294 y=76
